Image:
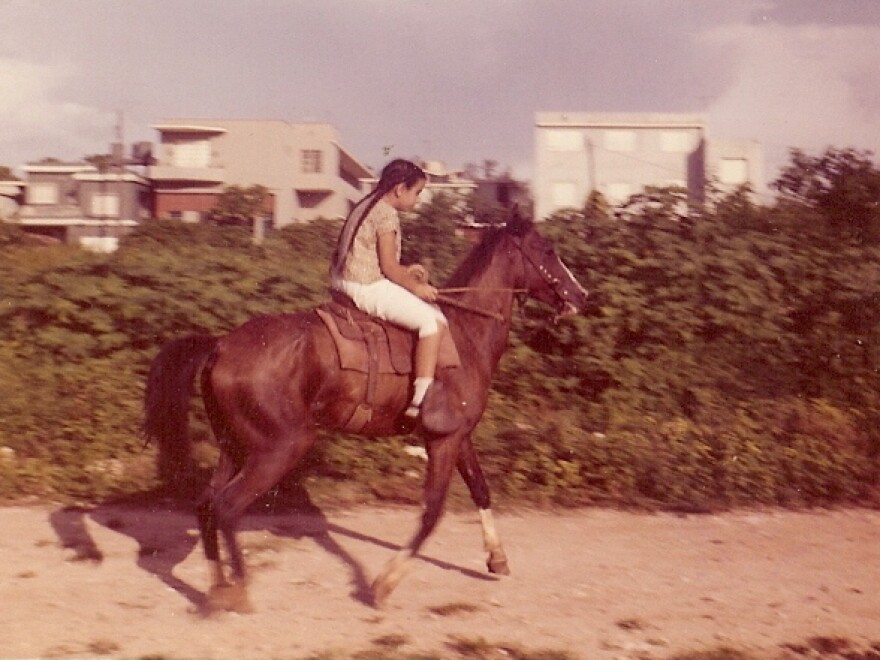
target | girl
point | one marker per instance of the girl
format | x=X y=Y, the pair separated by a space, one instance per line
x=366 y=267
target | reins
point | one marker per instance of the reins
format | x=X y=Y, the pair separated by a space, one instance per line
x=470 y=308
x=465 y=289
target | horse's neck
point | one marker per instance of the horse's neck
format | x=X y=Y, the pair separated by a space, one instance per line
x=482 y=338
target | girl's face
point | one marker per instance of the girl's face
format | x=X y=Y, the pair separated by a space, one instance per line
x=403 y=198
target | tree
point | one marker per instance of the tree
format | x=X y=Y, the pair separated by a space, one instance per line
x=240 y=206
x=6 y=174
x=842 y=185
x=103 y=162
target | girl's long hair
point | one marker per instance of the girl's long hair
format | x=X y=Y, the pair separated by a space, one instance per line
x=394 y=173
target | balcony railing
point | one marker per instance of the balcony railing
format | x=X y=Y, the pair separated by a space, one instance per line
x=50 y=211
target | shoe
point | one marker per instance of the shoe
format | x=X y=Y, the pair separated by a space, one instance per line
x=437 y=412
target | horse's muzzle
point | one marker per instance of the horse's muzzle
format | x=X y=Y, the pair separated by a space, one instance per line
x=566 y=309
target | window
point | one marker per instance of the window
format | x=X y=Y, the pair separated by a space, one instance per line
x=676 y=142
x=733 y=171
x=620 y=140
x=42 y=193
x=564 y=193
x=311 y=161
x=196 y=153
x=565 y=140
x=105 y=204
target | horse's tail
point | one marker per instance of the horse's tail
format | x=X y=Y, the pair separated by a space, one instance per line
x=170 y=386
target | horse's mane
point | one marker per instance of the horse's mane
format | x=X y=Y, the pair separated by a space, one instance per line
x=478 y=258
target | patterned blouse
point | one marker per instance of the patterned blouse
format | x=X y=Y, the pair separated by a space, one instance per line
x=362 y=264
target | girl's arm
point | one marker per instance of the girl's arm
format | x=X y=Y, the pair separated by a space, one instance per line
x=402 y=275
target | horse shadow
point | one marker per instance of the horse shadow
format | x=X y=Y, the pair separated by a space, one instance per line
x=166 y=540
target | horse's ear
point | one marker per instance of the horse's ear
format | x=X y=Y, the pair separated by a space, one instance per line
x=517 y=223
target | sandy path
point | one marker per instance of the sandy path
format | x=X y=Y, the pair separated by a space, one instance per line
x=595 y=583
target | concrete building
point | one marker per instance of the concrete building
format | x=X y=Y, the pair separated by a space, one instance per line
x=79 y=203
x=303 y=165
x=11 y=198
x=619 y=154
x=441 y=181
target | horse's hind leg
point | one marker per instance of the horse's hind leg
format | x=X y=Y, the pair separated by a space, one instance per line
x=260 y=472
x=208 y=519
x=469 y=468
x=442 y=455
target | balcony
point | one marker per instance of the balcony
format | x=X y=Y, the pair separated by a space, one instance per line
x=193 y=174
x=53 y=211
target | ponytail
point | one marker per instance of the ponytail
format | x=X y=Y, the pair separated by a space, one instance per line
x=393 y=174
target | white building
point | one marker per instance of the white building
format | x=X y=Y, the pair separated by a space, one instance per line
x=305 y=168
x=619 y=154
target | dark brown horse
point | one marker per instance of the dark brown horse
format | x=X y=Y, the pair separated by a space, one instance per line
x=268 y=383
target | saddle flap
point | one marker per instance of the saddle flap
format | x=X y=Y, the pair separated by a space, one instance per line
x=358 y=337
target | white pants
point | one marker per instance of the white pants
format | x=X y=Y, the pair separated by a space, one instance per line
x=391 y=302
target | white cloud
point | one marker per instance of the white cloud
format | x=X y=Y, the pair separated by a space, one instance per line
x=35 y=115
x=804 y=86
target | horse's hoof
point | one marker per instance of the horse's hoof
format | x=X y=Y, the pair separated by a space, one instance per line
x=228 y=598
x=498 y=566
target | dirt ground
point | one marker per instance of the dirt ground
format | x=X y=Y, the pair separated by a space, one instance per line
x=593 y=584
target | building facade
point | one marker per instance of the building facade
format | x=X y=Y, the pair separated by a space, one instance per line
x=80 y=203
x=619 y=154
x=11 y=198
x=304 y=167
x=440 y=181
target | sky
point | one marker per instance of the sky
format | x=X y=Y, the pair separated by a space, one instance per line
x=458 y=81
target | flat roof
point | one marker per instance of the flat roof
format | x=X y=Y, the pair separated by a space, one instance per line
x=619 y=120
x=58 y=168
x=187 y=128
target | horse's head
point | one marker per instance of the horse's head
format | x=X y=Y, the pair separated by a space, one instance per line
x=546 y=278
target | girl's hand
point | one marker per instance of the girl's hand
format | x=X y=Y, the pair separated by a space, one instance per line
x=418 y=272
x=426 y=292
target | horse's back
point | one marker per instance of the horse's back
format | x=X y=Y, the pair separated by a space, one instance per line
x=261 y=331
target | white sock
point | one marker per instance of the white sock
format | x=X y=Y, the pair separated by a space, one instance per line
x=421 y=385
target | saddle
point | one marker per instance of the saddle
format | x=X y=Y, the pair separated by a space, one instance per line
x=374 y=347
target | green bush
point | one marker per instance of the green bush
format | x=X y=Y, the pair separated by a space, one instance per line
x=729 y=358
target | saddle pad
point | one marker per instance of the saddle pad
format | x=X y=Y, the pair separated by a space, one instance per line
x=350 y=338
x=350 y=326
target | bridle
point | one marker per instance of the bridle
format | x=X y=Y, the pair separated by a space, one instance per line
x=520 y=294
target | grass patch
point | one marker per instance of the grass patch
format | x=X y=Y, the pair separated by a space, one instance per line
x=719 y=653
x=480 y=649
x=631 y=624
x=814 y=647
x=103 y=647
x=450 y=609
x=391 y=641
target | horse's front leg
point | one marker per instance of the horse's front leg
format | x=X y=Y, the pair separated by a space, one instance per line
x=469 y=468
x=442 y=458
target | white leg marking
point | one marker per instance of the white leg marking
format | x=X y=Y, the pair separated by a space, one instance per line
x=490 y=535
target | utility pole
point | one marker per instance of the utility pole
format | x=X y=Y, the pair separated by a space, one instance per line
x=591 y=166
